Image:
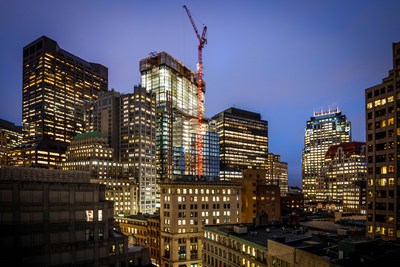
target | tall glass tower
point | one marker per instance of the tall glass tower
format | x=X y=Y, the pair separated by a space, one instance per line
x=324 y=129
x=175 y=88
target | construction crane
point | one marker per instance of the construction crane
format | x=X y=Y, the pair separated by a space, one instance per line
x=199 y=142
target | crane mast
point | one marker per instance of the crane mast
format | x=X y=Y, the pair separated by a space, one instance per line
x=199 y=138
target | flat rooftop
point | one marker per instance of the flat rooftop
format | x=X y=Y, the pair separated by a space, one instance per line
x=260 y=235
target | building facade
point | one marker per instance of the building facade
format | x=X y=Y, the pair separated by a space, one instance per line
x=211 y=163
x=233 y=245
x=261 y=201
x=46 y=153
x=58 y=88
x=106 y=119
x=186 y=206
x=90 y=152
x=277 y=172
x=138 y=146
x=324 y=129
x=345 y=175
x=62 y=219
x=243 y=139
x=10 y=137
x=129 y=123
x=143 y=230
x=175 y=88
x=383 y=129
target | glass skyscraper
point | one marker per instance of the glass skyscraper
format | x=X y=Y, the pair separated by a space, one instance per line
x=324 y=129
x=175 y=88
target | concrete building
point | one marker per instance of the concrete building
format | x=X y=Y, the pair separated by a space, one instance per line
x=344 y=174
x=277 y=172
x=138 y=146
x=261 y=203
x=128 y=121
x=242 y=245
x=58 y=88
x=292 y=202
x=186 y=206
x=280 y=254
x=55 y=217
x=324 y=129
x=243 y=139
x=105 y=116
x=382 y=126
x=144 y=230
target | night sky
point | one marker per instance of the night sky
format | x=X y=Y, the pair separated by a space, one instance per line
x=282 y=59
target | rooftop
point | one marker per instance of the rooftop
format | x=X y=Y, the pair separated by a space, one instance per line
x=260 y=235
x=94 y=134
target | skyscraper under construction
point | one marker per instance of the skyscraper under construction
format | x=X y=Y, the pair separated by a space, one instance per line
x=175 y=88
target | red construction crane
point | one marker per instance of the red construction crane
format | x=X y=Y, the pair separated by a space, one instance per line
x=199 y=143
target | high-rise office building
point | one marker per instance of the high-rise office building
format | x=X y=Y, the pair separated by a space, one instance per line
x=243 y=139
x=344 y=174
x=277 y=172
x=324 y=129
x=106 y=119
x=383 y=131
x=175 y=88
x=138 y=146
x=58 y=88
x=129 y=123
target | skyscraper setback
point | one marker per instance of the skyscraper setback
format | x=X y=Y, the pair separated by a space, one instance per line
x=128 y=121
x=58 y=88
x=324 y=129
x=383 y=131
x=138 y=145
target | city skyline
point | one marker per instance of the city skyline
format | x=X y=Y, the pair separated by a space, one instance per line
x=320 y=55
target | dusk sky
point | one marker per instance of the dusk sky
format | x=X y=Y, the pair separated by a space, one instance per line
x=282 y=59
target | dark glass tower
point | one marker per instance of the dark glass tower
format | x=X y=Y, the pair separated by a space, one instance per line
x=243 y=139
x=58 y=89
